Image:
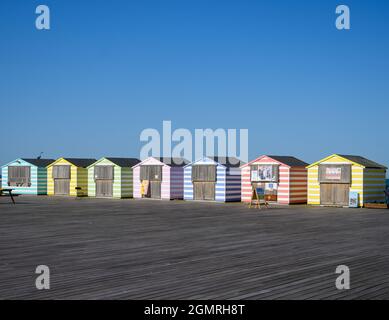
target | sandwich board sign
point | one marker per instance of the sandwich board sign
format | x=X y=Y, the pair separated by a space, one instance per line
x=353 y=199
x=257 y=196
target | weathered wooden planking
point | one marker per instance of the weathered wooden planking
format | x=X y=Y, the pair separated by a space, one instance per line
x=132 y=249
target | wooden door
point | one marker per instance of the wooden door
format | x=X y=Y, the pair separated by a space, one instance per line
x=209 y=191
x=341 y=194
x=155 y=189
x=334 y=194
x=61 y=187
x=204 y=191
x=327 y=194
x=198 y=191
x=104 y=188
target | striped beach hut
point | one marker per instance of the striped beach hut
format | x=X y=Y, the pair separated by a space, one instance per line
x=159 y=178
x=26 y=176
x=68 y=177
x=213 y=179
x=284 y=179
x=111 y=178
x=331 y=180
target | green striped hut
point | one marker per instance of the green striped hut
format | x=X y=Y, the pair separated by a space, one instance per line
x=26 y=176
x=111 y=178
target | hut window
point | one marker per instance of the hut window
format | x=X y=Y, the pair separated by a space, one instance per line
x=151 y=173
x=19 y=176
x=204 y=173
x=103 y=172
x=265 y=173
x=335 y=173
x=61 y=172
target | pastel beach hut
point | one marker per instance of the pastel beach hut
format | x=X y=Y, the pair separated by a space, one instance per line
x=283 y=179
x=26 y=176
x=159 y=178
x=331 y=180
x=68 y=177
x=111 y=178
x=213 y=179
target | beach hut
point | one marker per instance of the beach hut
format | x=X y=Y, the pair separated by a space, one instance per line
x=213 y=179
x=68 y=177
x=283 y=179
x=159 y=178
x=111 y=178
x=26 y=176
x=331 y=180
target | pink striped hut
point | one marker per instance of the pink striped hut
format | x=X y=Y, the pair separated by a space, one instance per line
x=283 y=178
x=159 y=178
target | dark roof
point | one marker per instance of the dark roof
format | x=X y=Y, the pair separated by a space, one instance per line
x=79 y=162
x=173 y=162
x=124 y=162
x=39 y=162
x=229 y=162
x=363 y=161
x=289 y=161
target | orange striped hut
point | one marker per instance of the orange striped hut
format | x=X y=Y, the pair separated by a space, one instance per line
x=283 y=178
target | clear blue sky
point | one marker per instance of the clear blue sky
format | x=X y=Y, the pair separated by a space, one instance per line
x=108 y=69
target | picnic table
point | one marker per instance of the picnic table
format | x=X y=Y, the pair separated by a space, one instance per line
x=9 y=191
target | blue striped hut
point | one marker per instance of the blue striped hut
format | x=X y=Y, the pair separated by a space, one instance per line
x=213 y=179
x=26 y=176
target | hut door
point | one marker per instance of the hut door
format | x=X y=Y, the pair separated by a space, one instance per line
x=204 y=182
x=104 y=188
x=334 y=194
x=198 y=191
x=61 y=176
x=326 y=194
x=155 y=189
x=342 y=192
x=104 y=181
x=61 y=187
x=153 y=174
x=204 y=191
x=209 y=191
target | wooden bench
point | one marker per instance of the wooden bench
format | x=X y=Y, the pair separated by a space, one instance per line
x=8 y=193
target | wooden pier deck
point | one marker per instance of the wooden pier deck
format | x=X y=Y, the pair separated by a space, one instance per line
x=134 y=249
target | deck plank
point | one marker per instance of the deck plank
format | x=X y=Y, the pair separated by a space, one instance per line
x=134 y=249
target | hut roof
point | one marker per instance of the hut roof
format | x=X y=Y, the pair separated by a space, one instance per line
x=39 y=162
x=80 y=162
x=354 y=159
x=173 y=162
x=124 y=162
x=290 y=161
x=229 y=162
x=286 y=160
x=363 y=161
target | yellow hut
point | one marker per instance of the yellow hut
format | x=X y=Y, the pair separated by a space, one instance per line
x=331 y=180
x=68 y=177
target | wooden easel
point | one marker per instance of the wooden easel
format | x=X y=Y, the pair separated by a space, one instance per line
x=258 y=194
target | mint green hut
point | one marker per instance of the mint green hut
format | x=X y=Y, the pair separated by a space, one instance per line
x=111 y=178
